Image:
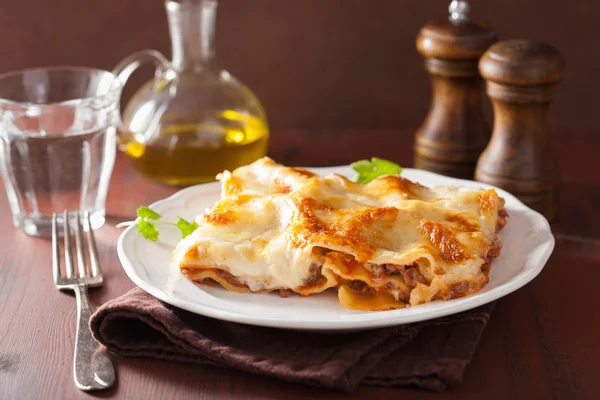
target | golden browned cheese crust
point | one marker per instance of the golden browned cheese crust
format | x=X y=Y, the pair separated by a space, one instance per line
x=384 y=245
x=444 y=239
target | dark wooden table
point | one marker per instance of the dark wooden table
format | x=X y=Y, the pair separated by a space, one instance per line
x=543 y=341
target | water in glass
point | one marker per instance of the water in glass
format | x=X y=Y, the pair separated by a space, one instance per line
x=57 y=143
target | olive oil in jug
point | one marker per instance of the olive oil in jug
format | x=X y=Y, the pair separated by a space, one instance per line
x=194 y=119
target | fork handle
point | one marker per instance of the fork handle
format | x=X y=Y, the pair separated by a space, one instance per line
x=92 y=367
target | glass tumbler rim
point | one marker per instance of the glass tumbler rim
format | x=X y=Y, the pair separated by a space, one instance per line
x=115 y=86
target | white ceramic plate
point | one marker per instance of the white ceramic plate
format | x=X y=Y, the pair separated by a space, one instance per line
x=528 y=243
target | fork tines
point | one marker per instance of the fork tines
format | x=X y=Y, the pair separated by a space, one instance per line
x=89 y=276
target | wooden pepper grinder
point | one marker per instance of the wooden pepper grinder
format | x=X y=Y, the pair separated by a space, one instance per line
x=454 y=132
x=522 y=79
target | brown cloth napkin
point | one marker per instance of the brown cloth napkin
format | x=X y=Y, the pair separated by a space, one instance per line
x=429 y=354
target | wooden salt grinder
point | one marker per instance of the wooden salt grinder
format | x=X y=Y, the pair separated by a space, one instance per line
x=522 y=79
x=454 y=132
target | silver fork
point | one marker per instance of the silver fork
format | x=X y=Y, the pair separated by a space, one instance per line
x=92 y=367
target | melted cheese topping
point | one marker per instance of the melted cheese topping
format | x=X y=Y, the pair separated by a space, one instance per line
x=280 y=228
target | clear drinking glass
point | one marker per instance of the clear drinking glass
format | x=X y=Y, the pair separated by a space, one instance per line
x=57 y=143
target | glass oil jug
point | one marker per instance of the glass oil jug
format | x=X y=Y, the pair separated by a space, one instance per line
x=193 y=120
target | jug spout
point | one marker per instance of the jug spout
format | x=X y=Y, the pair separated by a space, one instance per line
x=192 y=29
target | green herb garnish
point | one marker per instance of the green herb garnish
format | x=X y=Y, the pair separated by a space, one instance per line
x=186 y=227
x=147 y=213
x=148 y=219
x=369 y=170
x=148 y=230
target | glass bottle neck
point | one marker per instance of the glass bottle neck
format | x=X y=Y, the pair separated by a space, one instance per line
x=192 y=29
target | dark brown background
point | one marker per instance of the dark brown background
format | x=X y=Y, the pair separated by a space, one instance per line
x=315 y=64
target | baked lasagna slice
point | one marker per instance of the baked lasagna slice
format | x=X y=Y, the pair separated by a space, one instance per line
x=384 y=245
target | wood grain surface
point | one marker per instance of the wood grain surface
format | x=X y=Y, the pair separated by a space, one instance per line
x=454 y=132
x=522 y=78
x=542 y=341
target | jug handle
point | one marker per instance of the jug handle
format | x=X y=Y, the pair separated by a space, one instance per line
x=129 y=64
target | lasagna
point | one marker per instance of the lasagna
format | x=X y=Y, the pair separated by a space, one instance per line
x=383 y=245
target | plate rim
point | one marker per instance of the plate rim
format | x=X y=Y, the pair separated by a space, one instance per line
x=450 y=306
